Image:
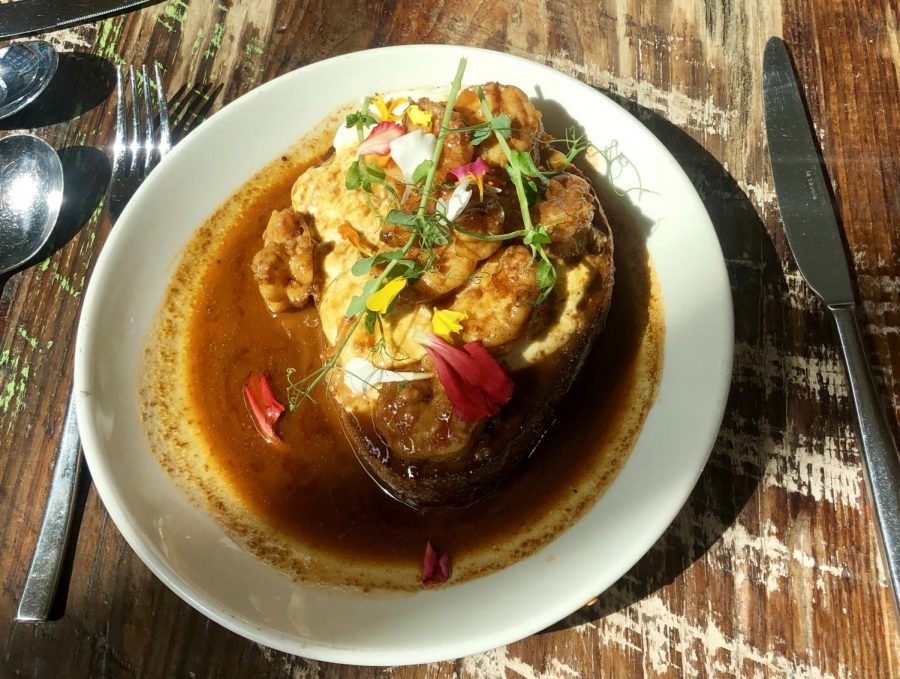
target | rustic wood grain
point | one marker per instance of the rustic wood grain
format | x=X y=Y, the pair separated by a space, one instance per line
x=771 y=569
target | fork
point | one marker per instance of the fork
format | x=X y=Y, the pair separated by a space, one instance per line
x=135 y=155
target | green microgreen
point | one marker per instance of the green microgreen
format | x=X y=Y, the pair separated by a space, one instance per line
x=482 y=131
x=360 y=119
x=371 y=320
x=545 y=276
x=421 y=172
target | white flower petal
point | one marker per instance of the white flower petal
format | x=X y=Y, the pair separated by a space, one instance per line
x=458 y=200
x=411 y=150
x=360 y=374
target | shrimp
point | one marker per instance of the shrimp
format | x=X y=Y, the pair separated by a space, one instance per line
x=526 y=123
x=499 y=300
x=285 y=267
x=455 y=262
x=416 y=420
x=567 y=210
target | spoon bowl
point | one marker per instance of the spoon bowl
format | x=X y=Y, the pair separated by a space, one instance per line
x=31 y=189
x=26 y=69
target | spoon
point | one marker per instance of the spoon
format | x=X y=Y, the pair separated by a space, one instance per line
x=26 y=68
x=31 y=189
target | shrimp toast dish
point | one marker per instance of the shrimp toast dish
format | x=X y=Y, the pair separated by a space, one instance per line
x=461 y=267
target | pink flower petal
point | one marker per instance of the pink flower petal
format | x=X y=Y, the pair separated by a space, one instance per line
x=436 y=566
x=477 y=168
x=378 y=143
x=475 y=383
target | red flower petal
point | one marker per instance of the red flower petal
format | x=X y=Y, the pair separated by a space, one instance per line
x=472 y=378
x=436 y=566
x=378 y=143
x=263 y=406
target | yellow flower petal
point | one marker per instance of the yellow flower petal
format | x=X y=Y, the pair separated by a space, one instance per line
x=419 y=117
x=445 y=321
x=387 y=109
x=380 y=300
x=479 y=179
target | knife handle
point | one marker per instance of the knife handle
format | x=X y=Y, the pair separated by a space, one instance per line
x=881 y=462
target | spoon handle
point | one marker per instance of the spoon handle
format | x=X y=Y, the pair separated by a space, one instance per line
x=53 y=539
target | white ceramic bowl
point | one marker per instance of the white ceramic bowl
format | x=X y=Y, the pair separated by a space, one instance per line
x=185 y=547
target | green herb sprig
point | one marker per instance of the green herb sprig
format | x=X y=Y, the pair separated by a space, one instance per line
x=520 y=167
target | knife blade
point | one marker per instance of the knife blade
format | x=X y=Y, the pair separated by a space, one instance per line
x=22 y=18
x=815 y=241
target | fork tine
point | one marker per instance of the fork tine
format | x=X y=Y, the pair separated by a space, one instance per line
x=165 y=135
x=149 y=133
x=119 y=145
x=135 y=122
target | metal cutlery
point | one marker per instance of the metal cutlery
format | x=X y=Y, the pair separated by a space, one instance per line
x=26 y=68
x=31 y=194
x=815 y=240
x=29 y=17
x=135 y=155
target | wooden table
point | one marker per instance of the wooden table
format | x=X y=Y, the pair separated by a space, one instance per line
x=771 y=569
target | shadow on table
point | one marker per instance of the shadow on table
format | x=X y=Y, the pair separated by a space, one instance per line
x=60 y=601
x=81 y=82
x=754 y=418
x=86 y=175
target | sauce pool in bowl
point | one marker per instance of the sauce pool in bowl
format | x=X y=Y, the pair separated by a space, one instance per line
x=308 y=507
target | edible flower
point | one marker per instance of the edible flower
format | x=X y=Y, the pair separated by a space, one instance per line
x=380 y=300
x=378 y=143
x=444 y=322
x=475 y=383
x=411 y=150
x=436 y=566
x=393 y=109
x=474 y=171
x=263 y=406
x=457 y=202
x=359 y=374
x=419 y=117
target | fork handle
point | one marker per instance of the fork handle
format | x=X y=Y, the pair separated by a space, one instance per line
x=53 y=539
x=881 y=464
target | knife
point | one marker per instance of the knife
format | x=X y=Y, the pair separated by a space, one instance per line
x=815 y=240
x=21 y=18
